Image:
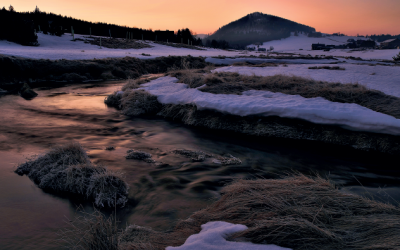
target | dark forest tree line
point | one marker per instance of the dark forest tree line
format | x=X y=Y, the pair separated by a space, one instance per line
x=20 y=27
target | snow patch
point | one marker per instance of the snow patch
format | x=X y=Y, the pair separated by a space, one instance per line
x=382 y=78
x=266 y=103
x=213 y=237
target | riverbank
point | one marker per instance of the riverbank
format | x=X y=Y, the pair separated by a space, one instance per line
x=18 y=74
x=296 y=212
x=201 y=100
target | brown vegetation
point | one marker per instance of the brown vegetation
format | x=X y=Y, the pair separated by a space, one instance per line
x=234 y=83
x=91 y=232
x=298 y=212
x=327 y=67
x=67 y=168
x=276 y=127
x=14 y=70
x=118 y=43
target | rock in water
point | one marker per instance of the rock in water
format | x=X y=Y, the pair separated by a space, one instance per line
x=26 y=92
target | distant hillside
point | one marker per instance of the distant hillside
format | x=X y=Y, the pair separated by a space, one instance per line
x=257 y=27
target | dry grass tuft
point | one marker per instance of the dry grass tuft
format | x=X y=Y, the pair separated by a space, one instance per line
x=136 y=102
x=298 y=212
x=91 y=232
x=234 y=83
x=113 y=100
x=68 y=169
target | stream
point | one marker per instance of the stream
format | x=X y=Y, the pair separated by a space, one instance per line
x=160 y=194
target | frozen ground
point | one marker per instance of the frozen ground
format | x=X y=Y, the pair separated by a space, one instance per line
x=266 y=103
x=212 y=237
x=293 y=44
x=383 y=78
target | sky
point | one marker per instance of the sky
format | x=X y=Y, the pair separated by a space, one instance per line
x=350 y=17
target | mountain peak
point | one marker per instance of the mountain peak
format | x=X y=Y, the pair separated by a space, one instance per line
x=258 y=27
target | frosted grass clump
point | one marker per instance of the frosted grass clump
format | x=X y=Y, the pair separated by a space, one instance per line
x=67 y=168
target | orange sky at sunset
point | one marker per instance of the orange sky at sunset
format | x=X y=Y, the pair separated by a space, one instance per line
x=328 y=16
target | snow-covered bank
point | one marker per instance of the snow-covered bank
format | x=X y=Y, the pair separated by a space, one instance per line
x=265 y=103
x=213 y=237
x=382 y=78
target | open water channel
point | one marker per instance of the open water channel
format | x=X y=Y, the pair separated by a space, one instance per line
x=30 y=218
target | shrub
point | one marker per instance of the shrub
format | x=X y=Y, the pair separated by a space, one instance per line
x=397 y=57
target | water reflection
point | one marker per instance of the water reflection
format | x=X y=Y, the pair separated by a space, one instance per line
x=159 y=194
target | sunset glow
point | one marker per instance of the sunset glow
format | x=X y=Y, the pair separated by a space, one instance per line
x=350 y=17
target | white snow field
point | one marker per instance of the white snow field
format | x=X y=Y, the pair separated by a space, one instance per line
x=266 y=103
x=212 y=237
x=293 y=44
x=382 y=78
x=54 y=48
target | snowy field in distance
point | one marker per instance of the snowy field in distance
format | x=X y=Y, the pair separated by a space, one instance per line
x=54 y=48
x=293 y=44
x=382 y=78
x=265 y=103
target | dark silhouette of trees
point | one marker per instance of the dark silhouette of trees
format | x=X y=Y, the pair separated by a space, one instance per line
x=15 y=28
x=19 y=27
x=221 y=44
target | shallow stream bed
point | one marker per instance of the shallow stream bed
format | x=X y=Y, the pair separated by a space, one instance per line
x=160 y=194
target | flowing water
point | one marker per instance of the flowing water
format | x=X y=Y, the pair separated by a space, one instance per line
x=160 y=194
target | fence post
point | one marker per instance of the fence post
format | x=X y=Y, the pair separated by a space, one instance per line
x=72 y=32
x=100 y=42
x=181 y=40
x=142 y=37
x=156 y=38
x=39 y=27
x=109 y=31
x=90 y=31
x=34 y=30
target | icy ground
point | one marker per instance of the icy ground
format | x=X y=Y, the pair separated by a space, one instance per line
x=212 y=237
x=265 y=103
x=382 y=78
